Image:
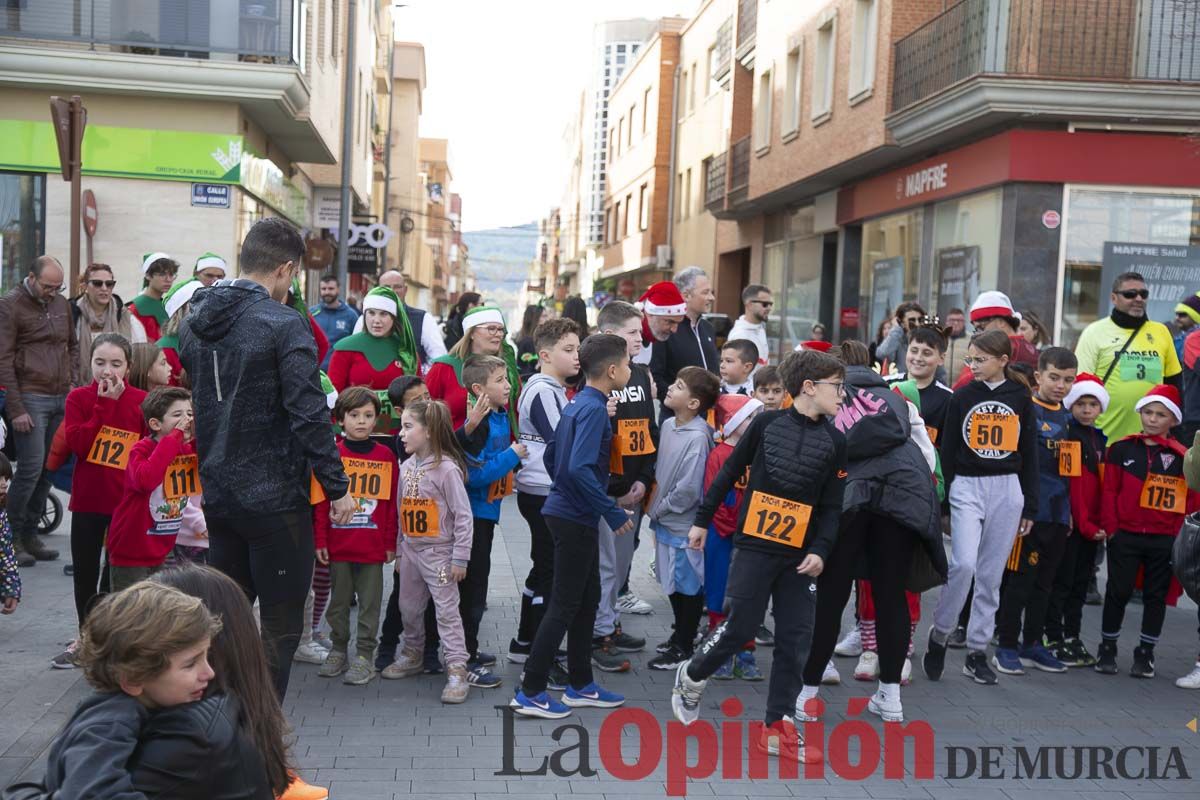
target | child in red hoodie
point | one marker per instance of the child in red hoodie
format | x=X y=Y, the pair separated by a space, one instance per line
x=355 y=552
x=1144 y=500
x=162 y=477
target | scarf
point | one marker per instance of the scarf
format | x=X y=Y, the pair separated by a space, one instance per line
x=1127 y=321
x=149 y=307
x=91 y=324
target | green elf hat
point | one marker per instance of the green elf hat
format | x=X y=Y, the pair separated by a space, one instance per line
x=400 y=346
x=180 y=295
x=329 y=389
x=298 y=298
x=149 y=258
x=491 y=315
x=211 y=261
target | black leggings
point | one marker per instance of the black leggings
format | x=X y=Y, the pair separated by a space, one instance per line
x=1064 y=616
x=888 y=548
x=87 y=541
x=540 y=581
x=472 y=591
x=271 y=558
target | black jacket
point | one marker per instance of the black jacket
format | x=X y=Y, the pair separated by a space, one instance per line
x=791 y=457
x=113 y=748
x=261 y=418
x=688 y=347
x=634 y=402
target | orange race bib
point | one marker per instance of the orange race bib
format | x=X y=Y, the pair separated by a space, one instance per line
x=182 y=478
x=777 y=520
x=368 y=479
x=1164 y=493
x=631 y=439
x=111 y=447
x=1069 y=456
x=420 y=518
x=994 y=432
x=500 y=489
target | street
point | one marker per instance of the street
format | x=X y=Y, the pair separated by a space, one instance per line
x=394 y=739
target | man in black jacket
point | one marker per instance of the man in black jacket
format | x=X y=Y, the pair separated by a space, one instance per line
x=261 y=425
x=694 y=344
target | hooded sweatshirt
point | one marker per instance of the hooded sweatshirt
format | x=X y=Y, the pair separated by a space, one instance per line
x=100 y=461
x=261 y=419
x=538 y=410
x=683 y=452
x=371 y=533
x=146 y=522
x=427 y=479
x=489 y=478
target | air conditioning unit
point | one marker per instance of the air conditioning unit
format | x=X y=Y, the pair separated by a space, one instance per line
x=662 y=258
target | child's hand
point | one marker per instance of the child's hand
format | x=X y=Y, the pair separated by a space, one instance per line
x=457 y=574
x=521 y=450
x=696 y=537
x=391 y=556
x=323 y=555
x=10 y=605
x=612 y=406
x=633 y=496
x=187 y=428
x=1025 y=528
x=811 y=565
x=478 y=413
x=627 y=527
x=111 y=389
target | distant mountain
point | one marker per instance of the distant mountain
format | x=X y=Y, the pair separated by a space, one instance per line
x=500 y=258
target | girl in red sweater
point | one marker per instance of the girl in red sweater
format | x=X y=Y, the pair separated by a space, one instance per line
x=103 y=422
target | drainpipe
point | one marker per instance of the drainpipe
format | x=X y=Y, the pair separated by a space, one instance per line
x=671 y=177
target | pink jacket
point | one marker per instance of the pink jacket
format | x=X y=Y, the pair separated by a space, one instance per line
x=444 y=484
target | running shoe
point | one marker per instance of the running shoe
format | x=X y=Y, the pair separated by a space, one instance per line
x=933 y=663
x=334 y=665
x=607 y=659
x=831 y=676
x=685 y=695
x=481 y=677
x=1008 y=661
x=671 y=659
x=591 y=696
x=1143 y=662
x=630 y=603
x=867 y=668
x=764 y=637
x=622 y=642
x=558 y=680
x=724 y=672
x=1106 y=658
x=312 y=653
x=540 y=705
x=518 y=653
x=361 y=672
x=1040 y=658
x=746 y=667
x=851 y=644
x=67 y=659
x=957 y=640
x=484 y=659
x=1080 y=657
x=976 y=668
x=1191 y=680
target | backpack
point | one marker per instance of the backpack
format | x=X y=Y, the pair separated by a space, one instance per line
x=1185 y=556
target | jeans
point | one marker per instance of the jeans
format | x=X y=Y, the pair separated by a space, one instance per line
x=1031 y=572
x=30 y=486
x=271 y=558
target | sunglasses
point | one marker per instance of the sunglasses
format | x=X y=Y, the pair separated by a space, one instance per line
x=764 y=303
x=1130 y=294
x=96 y=282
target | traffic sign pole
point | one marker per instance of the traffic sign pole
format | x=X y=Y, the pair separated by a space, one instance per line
x=70 y=118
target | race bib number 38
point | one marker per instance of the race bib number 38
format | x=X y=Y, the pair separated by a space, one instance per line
x=111 y=447
x=777 y=520
x=1164 y=493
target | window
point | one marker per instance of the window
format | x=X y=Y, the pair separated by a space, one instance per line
x=628 y=216
x=322 y=17
x=862 y=49
x=629 y=133
x=966 y=251
x=691 y=98
x=335 y=24
x=683 y=84
x=608 y=226
x=713 y=84
x=679 y=206
x=620 y=132
x=645 y=109
x=686 y=200
x=823 y=64
x=792 y=91
x=612 y=136
x=644 y=207
x=616 y=223
x=762 y=113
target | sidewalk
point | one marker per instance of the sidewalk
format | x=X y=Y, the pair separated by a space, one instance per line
x=394 y=739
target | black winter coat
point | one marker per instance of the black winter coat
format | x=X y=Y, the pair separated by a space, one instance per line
x=687 y=347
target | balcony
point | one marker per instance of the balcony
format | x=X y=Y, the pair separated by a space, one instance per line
x=724 y=48
x=739 y=170
x=727 y=179
x=714 y=183
x=981 y=61
x=747 y=29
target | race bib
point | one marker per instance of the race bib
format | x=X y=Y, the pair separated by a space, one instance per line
x=420 y=518
x=1141 y=367
x=994 y=432
x=182 y=478
x=501 y=489
x=368 y=479
x=777 y=520
x=1164 y=493
x=111 y=447
x=631 y=439
x=1069 y=455
x=933 y=433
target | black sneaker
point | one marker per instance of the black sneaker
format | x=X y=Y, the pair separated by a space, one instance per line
x=1106 y=658
x=671 y=659
x=480 y=676
x=622 y=642
x=958 y=639
x=663 y=647
x=977 y=669
x=764 y=637
x=934 y=660
x=1063 y=652
x=1080 y=654
x=1143 y=662
x=558 y=678
x=518 y=653
x=605 y=658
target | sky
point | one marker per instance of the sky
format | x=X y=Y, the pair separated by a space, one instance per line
x=502 y=79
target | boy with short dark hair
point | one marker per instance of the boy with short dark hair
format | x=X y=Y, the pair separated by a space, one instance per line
x=160 y=478
x=577 y=462
x=922 y=360
x=738 y=361
x=1035 y=557
x=768 y=388
x=785 y=531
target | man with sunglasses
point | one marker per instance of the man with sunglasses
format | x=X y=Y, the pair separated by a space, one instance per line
x=39 y=363
x=757 y=303
x=1131 y=354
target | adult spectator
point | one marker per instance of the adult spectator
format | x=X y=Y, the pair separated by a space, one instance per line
x=527 y=356
x=454 y=322
x=484 y=334
x=382 y=352
x=261 y=425
x=993 y=311
x=430 y=344
x=662 y=308
x=908 y=317
x=1032 y=329
x=576 y=311
x=694 y=344
x=335 y=318
x=1187 y=315
x=752 y=324
x=39 y=363
x=818 y=332
x=210 y=268
x=958 y=341
x=96 y=310
x=158 y=273
x=1130 y=354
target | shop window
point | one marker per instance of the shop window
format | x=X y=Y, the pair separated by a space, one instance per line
x=966 y=251
x=891 y=265
x=862 y=49
x=823 y=67
x=22 y=225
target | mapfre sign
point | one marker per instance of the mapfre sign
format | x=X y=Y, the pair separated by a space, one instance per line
x=915 y=184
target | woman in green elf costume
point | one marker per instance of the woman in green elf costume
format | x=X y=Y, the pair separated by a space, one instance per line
x=176 y=303
x=484 y=333
x=383 y=351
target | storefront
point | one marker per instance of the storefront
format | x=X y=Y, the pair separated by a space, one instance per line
x=799 y=264
x=1034 y=214
x=22 y=224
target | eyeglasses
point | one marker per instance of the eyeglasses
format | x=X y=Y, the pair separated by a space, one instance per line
x=492 y=329
x=764 y=303
x=977 y=361
x=56 y=288
x=1130 y=294
x=840 y=385
x=96 y=282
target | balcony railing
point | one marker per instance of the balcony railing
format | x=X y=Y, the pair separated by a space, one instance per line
x=714 y=182
x=1106 y=40
x=747 y=24
x=739 y=165
x=248 y=30
x=724 y=49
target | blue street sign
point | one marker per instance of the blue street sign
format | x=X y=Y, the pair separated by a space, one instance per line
x=210 y=195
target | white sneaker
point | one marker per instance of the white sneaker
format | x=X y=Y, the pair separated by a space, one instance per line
x=906 y=672
x=889 y=710
x=802 y=715
x=851 y=644
x=630 y=603
x=1191 y=680
x=831 y=677
x=310 y=653
x=867 y=668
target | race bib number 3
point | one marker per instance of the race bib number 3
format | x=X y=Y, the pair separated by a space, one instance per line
x=994 y=432
x=182 y=478
x=777 y=520
x=1164 y=493
x=420 y=518
x=111 y=447
x=1069 y=455
x=1141 y=367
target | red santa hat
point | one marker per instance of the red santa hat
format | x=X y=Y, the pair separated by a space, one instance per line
x=1087 y=385
x=663 y=299
x=814 y=344
x=732 y=410
x=1168 y=396
x=993 y=304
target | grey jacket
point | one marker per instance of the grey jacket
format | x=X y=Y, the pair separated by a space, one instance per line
x=679 y=473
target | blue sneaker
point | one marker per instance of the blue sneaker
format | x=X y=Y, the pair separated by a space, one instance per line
x=1007 y=661
x=540 y=705
x=746 y=668
x=1039 y=657
x=724 y=672
x=592 y=696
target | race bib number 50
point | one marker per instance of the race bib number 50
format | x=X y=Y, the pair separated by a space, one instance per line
x=777 y=520
x=994 y=432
